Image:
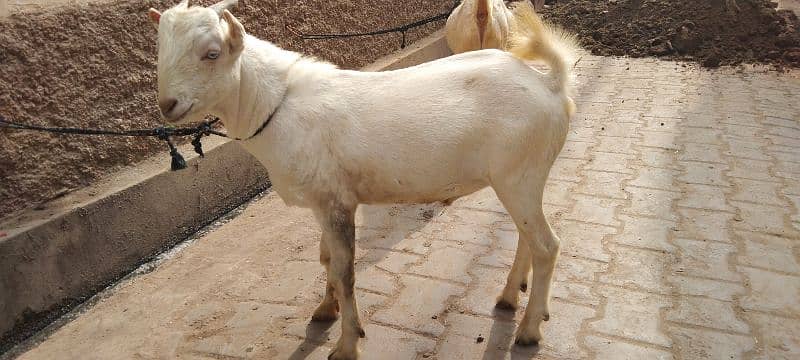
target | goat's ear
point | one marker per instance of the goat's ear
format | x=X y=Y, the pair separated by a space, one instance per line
x=235 y=32
x=224 y=5
x=184 y=3
x=154 y=16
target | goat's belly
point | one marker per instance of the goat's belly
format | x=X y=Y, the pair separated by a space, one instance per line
x=400 y=190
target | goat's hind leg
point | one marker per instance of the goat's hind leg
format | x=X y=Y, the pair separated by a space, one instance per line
x=523 y=200
x=328 y=309
x=517 y=278
x=338 y=222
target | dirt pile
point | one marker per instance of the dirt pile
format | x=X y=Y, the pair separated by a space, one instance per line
x=94 y=66
x=712 y=32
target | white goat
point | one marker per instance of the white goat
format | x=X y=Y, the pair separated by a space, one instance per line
x=332 y=139
x=479 y=24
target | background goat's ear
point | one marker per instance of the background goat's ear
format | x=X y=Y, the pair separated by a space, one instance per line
x=154 y=17
x=224 y=5
x=235 y=32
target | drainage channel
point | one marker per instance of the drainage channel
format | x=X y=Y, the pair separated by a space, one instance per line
x=145 y=268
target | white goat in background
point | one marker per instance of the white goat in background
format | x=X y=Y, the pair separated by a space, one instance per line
x=479 y=24
x=332 y=139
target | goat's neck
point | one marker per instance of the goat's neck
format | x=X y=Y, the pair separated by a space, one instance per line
x=263 y=70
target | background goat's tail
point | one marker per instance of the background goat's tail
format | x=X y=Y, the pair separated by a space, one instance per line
x=535 y=40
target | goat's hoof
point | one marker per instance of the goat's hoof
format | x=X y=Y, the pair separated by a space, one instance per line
x=505 y=305
x=340 y=355
x=526 y=342
x=523 y=287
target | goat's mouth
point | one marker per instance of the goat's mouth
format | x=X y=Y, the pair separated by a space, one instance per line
x=182 y=116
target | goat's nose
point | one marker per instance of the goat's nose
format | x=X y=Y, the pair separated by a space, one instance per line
x=167 y=105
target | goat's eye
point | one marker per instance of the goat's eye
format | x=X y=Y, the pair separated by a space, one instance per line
x=212 y=55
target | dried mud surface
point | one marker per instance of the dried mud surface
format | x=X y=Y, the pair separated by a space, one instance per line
x=711 y=32
x=94 y=66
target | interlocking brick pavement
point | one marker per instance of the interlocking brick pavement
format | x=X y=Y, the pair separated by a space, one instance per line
x=676 y=198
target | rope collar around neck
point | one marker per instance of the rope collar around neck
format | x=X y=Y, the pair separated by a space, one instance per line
x=263 y=126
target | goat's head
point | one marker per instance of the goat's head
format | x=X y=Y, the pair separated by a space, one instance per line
x=198 y=52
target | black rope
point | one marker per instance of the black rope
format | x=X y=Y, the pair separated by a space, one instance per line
x=399 y=29
x=161 y=132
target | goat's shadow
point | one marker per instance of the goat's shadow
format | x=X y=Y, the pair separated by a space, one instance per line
x=501 y=338
x=316 y=336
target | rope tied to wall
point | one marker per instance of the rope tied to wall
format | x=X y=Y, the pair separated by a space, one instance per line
x=163 y=133
x=402 y=29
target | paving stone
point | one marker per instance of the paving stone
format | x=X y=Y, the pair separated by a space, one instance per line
x=687 y=285
x=780 y=336
x=705 y=197
x=475 y=218
x=708 y=313
x=762 y=218
x=484 y=200
x=768 y=252
x=751 y=169
x=507 y=239
x=701 y=135
x=373 y=279
x=499 y=258
x=603 y=184
x=745 y=131
x=638 y=268
x=701 y=152
x=655 y=178
x=581 y=133
x=771 y=291
x=612 y=162
x=757 y=191
x=383 y=342
x=468 y=234
x=661 y=124
x=614 y=349
x=658 y=158
x=420 y=299
x=646 y=233
x=706 y=259
x=594 y=210
x=482 y=295
x=576 y=269
x=567 y=169
x=391 y=261
x=574 y=293
x=703 y=173
x=704 y=225
x=652 y=202
x=659 y=139
x=576 y=150
x=708 y=344
x=746 y=148
x=288 y=288
x=617 y=143
x=448 y=261
x=583 y=239
x=633 y=315
x=558 y=193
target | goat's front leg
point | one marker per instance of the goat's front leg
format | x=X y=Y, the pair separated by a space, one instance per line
x=338 y=225
x=328 y=310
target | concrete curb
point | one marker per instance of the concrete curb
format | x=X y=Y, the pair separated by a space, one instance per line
x=54 y=258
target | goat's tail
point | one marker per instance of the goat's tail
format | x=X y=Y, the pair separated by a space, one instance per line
x=534 y=40
x=483 y=12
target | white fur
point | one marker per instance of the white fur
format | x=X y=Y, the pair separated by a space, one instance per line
x=464 y=31
x=341 y=138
